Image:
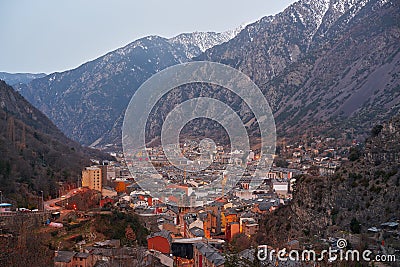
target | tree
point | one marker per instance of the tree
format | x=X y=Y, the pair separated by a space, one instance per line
x=354 y=154
x=231 y=260
x=130 y=234
x=355 y=226
x=240 y=242
x=376 y=130
x=26 y=246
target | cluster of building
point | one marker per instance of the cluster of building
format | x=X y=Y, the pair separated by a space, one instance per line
x=316 y=155
x=107 y=253
x=195 y=235
x=192 y=236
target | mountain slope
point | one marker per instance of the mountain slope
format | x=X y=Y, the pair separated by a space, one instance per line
x=322 y=65
x=88 y=103
x=35 y=154
x=352 y=78
x=319 y=62
x=265 y=48
x=16 y=78
x=366 y=190
x=322 y=61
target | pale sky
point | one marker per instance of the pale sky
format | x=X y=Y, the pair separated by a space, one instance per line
x=49 y=35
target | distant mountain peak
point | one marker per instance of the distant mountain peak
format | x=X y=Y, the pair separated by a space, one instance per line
x=196 y=42
x=19 y=78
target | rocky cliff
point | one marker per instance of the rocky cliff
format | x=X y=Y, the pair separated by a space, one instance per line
x=366 y=191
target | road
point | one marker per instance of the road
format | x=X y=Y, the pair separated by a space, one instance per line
x=51 y=204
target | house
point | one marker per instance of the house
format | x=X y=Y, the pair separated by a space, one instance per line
x=212 y=221
x=5 y=207
x=156 y=258
x=139 y=203
x=83 y=259
x=280 y=187
x=73 y=259
x=262 y=207
x=64 y=258
x=109 y=192
x=191 y=220
x=160 y=241
x=231 y=230
x=173 y=214
x=230 y=215
x=245 y=220
x=182 y=248
x=171 y=227
x=114 y=256
x=207 y=256
x=91 y=178
x=105 y=201
x=196 y=232
x=108 y=173
x=250 y=229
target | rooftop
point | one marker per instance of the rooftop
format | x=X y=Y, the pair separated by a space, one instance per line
x=210 y=253
x=188 y=240
x=82 y=255
x=92 y=168
x=196 y=231
x=64 y=256
x=163 y=233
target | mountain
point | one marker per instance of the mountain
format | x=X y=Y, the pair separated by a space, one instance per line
x=88 y=103
x=323 y=65
x=364 y=192
x=35 y=154
x=329 y=62
x=326 y=67
x=16 y=78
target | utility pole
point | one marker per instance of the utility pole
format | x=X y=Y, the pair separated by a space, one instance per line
x=42 y=201
x=1 y=197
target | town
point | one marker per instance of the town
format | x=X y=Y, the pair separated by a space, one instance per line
x=200 y=234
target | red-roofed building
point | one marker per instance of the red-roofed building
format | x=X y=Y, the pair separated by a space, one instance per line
x=160 y=241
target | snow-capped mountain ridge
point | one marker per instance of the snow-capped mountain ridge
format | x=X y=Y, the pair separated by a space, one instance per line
x=191 y=44
x=111 y=80
x=196 y=42
x=88 y=102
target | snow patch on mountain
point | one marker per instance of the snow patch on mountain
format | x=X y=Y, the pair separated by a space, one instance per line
x=197 y=42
